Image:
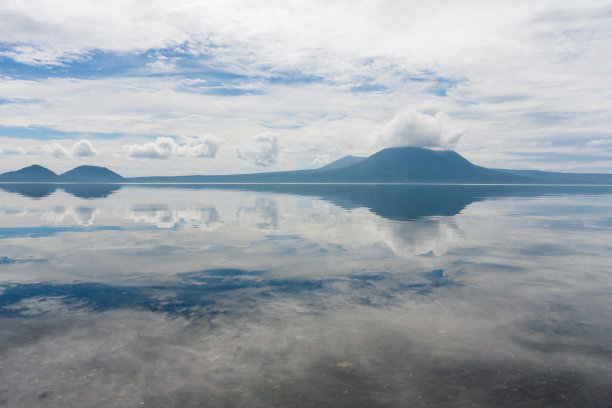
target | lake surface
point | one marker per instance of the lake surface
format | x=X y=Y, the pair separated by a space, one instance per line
x=305 y=296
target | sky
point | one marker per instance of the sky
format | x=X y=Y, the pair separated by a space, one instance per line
x=188 y=87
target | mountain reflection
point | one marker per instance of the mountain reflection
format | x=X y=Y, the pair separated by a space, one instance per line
x=41 y=190
x=311 y=295
x=32 y=190
x=398 y=202
x=90 y=190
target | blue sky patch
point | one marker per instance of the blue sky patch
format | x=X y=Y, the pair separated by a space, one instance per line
x=369 y=88
x=43 y=133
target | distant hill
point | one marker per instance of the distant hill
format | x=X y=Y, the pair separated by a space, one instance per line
x=30 y=174
x=40 y=174
x=418 y=165
x=550 y=177
x=393 y=165
x=93 y=174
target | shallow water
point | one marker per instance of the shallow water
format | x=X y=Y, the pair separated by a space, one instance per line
x=316 y=295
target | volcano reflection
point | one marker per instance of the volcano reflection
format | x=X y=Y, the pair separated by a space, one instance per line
x=288 y=295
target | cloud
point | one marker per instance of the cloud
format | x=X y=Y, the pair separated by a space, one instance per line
x=293 y=68
x=56 y=150
x=162 y=148
x=261 y=150
x=412 y=128
x=13 y=151
x=161 y=64
x=166 y=147
x=84 y=148
x=599 y=142
x=50 y=56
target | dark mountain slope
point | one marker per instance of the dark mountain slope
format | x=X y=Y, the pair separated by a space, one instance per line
x=91 y=174
x=30 y=174
x=418 y=165
x=343 y=162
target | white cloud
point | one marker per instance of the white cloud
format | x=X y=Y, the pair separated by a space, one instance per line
x=166 y=147
x=56 y=150
x=199 y=146
x=411 y=128
x=261 y=150
x=13 y=151
x=84 y=148
x=161 y=64
x=500 y=69
x=599 y=142
x=34 y=55
x=162 y=148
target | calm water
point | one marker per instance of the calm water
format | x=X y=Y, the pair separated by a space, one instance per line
x=314 y=296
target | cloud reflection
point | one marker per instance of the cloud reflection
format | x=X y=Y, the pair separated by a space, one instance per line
x=164 y=217
x=241 y=298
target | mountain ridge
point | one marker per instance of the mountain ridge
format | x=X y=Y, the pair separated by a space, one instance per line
x=413 y=164
x=90 y=173
x=39 y=174
x=34 y=172
x=343 y=162
x=391 y=165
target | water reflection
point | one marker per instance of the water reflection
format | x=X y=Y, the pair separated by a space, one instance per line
x=264 y=210
x=401 y=202
x=33 y=190
x=166 y=217
x=193 y=296
x=41 y=190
